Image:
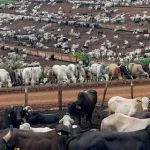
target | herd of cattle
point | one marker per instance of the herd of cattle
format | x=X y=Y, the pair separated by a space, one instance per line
x=126 y=126
x=72 y=73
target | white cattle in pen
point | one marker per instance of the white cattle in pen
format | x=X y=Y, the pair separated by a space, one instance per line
x=31 y=75
x=26 y=126
x=122 y=123
x=66 y=120
x=99 y=69
x=137 y=70
x=69 y=73
x=60 y=74
x=126 y=106
x=5 y=78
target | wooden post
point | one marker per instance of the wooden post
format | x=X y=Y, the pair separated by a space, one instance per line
x=131 y=89
x=26 y=96
x=60 y=96
x=104 y=94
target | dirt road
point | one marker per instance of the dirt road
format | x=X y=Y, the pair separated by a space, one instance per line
x=51 y=97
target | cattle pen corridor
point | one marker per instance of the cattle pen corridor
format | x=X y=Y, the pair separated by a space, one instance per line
x=50 y=97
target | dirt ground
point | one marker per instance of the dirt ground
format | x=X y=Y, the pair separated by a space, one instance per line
x=41 y=98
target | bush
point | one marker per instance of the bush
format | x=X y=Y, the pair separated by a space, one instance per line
x=144 y=60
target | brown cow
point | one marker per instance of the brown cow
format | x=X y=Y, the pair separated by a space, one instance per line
x=114 y=71
x=28 y=140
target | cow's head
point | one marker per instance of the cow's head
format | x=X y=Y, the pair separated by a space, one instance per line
x=145 y=103
x=16 y=115
x=5 y=139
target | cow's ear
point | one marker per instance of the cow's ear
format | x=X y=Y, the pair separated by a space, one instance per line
x=138 y=100
x=78 y=107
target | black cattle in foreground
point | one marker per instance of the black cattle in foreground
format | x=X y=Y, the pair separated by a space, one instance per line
x=33 y=117
x=93 y=140
x=13 y=115
x=28 y=140
x=39 y=118
x=84 y=105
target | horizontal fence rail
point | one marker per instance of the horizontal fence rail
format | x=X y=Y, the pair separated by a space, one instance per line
x=73 y=85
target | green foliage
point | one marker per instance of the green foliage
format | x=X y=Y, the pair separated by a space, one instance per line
x=7 y=1
x=83 y=57
x=41 y=77
x=144 y=60
x=63 y=63
x=14 y=63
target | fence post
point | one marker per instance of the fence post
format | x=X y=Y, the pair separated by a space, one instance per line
x=104 y=94
x=26 y=96
x=60 y=96
x=131 y=89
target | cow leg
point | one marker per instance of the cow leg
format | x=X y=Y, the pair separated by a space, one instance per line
x=79 y=121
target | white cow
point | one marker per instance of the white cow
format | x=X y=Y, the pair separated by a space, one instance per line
x=26 y=126
x=66 y=120
x=5 y=78
x=31 y=74
x=99 y=70
x=121 y=123
x=69 y=73
x=78 y=71
x=60 y=74
x=126 y=106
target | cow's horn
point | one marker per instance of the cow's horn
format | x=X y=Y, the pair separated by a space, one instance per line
x=9 y=134
x=23 y=105
x=78 y=107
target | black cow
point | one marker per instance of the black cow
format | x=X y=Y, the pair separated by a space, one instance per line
x=12 y=76
x=39 y=118
x=146 y=68
x=27 y=140
x=93 y=140
x=84 y=105
x=12 y=115
x=125 y=72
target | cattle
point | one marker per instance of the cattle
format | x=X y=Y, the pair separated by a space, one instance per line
x=66 y=120
x=84 y=105
x=121 y=123
x=124 y=71
x=12 y=76
x=27 y=140
x=26 y=126
x=5 y=78
x=141 y=115
x=18 y=74
x=48 y=74
x=69 y=73
x=126 y=106
x=31 y=75
x=99 y=70
x=39 y=118
x=137 y=70
x=114 y=71
x=137 y=140
x=146 y=67
x=60 y=74
x=12 y=115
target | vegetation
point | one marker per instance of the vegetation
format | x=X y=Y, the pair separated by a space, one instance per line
x=7 y=1
x=82 y=57
x=13 y=62
x=144 y=60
